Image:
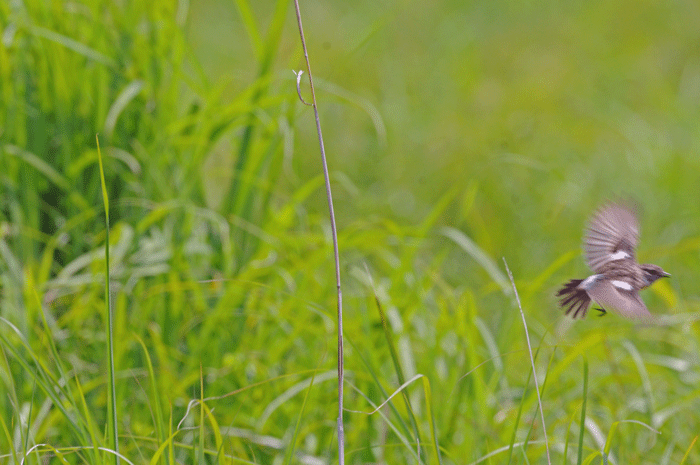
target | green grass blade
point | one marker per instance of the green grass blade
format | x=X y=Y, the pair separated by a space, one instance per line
x=74 y=45
x=113 y=428
x=582 y=426
x=431 y=418
x=542 y=389
x=155 y=397
x=517 y=417
x=566 y=437
x=251 y=27
x=8 y=436
x=289 y=455
x=376 y=377
x=199 y=451
x=608 y=440
x=687 y=452
x=388 y=335
x=129 y=93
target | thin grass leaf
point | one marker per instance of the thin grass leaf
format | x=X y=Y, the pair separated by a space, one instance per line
x=537 y=284
x=8 y=436
x=644 y=376
x=199 y=449
x=155 y=397
x=582 y=427
x=218 y=438
x=88 y=427
x=55 y=453
x=687 y=452
x=48 y=255
x=568 y=433
x=41 y=166
x=471 y=329
x=433 y=430
x=168 y=444
x=274 y=35
x=129 y=93
x=50 y=340
x=171 y=437
x=613 y=428
x=405 y=439
x=591 y=457
x=608 y=440
x=91 y=427
x=372 y=112
x=481 y=257
x=581 y=348
x=78 y=47
x=532 y=360
x=511 y=444
x=289 y=455
x=244 y=168
x=44 y=379
x=406 y=430
x=251 y=27
x=113 y=426
x=544 y=385
x=494 y=453
x=291 y=392
x=388 y=335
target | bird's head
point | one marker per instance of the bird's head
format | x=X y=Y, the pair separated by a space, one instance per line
x=652 y=273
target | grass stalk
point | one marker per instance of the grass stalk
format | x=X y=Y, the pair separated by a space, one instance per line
x=331 y=213
x=532 y=360
x=582 y=427
x=687 y=452
x=397 y=368
x=110 y=316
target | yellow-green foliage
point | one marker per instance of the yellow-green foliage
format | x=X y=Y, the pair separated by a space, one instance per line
x=458 y=133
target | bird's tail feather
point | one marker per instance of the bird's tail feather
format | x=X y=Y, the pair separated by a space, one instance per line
x=573 y=299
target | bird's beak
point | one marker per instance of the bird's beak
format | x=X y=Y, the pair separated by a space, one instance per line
x=665 y=275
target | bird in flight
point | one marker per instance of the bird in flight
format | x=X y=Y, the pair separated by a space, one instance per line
x=610 y=243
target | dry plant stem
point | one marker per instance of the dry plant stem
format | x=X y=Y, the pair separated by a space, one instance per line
x=341 y=375
x=532 y=361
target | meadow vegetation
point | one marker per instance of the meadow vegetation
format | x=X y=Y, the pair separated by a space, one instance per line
x=459 y=134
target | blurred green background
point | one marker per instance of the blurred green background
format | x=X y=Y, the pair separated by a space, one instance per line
x=457 y=134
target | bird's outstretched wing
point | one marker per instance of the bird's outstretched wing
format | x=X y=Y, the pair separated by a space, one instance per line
x=612 y=234
x=620 y=297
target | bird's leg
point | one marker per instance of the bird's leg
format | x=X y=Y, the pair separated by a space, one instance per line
x=602 y=311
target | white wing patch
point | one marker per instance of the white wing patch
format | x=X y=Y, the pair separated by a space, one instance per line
x=619 y=255
x=622 y=285
x=586 y=284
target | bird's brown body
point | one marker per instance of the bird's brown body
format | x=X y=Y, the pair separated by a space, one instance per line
x=610 y=244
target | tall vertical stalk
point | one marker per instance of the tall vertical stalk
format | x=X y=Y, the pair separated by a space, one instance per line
x=110 y=315
x=341 y=375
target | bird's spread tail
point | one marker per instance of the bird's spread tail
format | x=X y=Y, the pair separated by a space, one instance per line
x=574 y=299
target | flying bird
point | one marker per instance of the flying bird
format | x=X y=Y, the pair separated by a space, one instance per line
x=610 y=243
